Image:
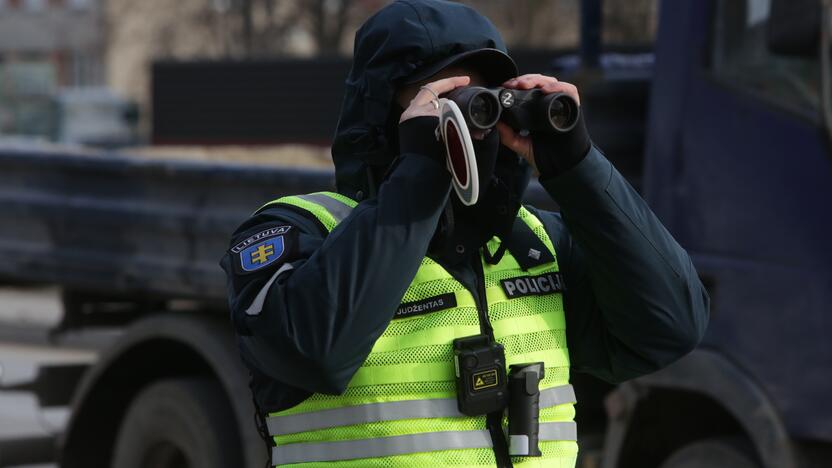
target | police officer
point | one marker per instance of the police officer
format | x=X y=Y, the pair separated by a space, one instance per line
x=353 y=308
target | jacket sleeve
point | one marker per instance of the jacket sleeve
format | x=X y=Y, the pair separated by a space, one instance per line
x=324 y=307
x=634 y=302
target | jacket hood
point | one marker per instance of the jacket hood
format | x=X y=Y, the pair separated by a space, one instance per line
x=405 y=39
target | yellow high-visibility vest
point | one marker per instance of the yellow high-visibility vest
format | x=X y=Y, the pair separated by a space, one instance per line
x=399 y=409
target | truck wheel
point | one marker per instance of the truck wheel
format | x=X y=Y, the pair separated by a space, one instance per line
x=179 y=423
x=713 y=453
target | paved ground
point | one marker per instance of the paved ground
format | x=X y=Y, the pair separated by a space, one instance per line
x=25 y=314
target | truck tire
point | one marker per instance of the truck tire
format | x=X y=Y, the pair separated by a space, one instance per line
x=179 y=423
x=713 y=453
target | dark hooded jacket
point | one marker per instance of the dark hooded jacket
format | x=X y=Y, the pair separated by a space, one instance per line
x=392 y=45
x=307 y=321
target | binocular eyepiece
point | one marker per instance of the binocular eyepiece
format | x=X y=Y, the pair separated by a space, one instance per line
x=523 y=110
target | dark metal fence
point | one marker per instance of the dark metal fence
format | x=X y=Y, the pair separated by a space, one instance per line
x=261 y=101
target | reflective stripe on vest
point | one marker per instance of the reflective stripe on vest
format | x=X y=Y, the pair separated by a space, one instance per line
x=391 y=411
x=382 y=447
x=329 y=208
x=338 y=209
x=404 y=444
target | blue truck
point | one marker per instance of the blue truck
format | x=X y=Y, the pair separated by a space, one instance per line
x=725 y=127
x=738 y=166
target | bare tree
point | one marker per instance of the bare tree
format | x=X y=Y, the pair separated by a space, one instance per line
x=328 y=19
x=265 y=25
x=533 y=23
x=246 y=8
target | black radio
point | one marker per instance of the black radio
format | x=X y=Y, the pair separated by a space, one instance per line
x=480 y=366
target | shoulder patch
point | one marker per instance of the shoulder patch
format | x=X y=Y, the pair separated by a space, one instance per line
x=262 y=249
x=262 y=254
x=265 y=234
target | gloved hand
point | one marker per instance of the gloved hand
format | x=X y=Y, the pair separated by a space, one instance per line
x=419 y=120
x=416 y=136
x=550 y=154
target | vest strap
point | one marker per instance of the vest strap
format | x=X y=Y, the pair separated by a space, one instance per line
x=361 y=414
x=391 y=411
x=530 y=324
x=405 y=444
x=429 y=337
x=440 y=371
x=402 y=373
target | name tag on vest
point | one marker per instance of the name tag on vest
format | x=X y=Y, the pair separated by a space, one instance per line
x=431 y=304
x=541 y=285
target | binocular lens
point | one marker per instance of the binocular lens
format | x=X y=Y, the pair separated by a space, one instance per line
x=483 y=111
x=562 y=113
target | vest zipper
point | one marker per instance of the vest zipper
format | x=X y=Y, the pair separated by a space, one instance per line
x=493 y=421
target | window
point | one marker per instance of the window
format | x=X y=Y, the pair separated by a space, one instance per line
x=741 y=58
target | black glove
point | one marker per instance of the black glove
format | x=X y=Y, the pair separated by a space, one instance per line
x=556 y=153
x=418 y=135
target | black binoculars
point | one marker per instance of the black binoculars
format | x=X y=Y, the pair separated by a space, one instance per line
x=523 y=110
